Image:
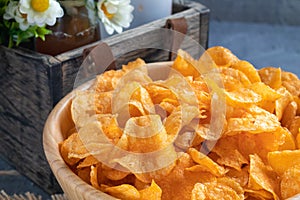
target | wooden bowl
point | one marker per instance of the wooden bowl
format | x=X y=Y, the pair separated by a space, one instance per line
x=58 y=124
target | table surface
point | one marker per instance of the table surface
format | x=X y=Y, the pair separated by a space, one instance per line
x=261 y=44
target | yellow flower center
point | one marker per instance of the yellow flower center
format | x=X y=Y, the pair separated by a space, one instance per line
x=40 y=5
x=107 y=14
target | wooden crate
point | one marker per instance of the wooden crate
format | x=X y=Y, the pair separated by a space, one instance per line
x=32 y=83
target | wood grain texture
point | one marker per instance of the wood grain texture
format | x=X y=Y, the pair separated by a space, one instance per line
x=32 y=83
x=26 y=100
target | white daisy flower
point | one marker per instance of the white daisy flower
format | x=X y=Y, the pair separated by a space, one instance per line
x=12 y=12
x=41 y=12
x=115 y=14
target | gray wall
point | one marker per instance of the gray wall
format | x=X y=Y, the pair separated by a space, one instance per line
x=265 y=11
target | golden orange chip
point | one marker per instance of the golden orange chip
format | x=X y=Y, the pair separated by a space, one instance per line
x=83 y=107
x=113 y=174
x=88 y=162
x=235 y=74
x=141 y=95
x=159 y=92
x=271 y=76
x=108 y=80
x=223 y=57
x=205 y=163
x=280 y=161
x=298 y=139
x=103 y=102
x=248 y=69
x=124 y=192
x=283 y=102
x=240 y=176
x=72 y=149
x=291 y=82
x=181 y=180
x=297 y=100
x=288 y=139
x=265 y=91
x=133 y=64
x=258 y=194
x=258 y=121
x=295 y=125
x=145 y=134
x=185 y=64
x=226 y=149
x=290 y=182
x=262 y=178
x=151 y=193
x=222 y=188
x=269 y=95
x=242 y=97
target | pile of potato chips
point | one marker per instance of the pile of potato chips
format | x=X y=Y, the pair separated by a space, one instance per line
x=257 y=155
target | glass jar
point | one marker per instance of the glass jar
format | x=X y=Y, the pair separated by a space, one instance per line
x=76 y=28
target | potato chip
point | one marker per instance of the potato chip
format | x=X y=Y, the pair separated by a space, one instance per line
x=258 y=121
x=227 y=149
x=290 y=182
x=269 y=95
x=94 y=176
x=141 y=95
x=84 y=174
x=83 y=107
x=261 y=178
x=157 y=175
x=108 y=80
x=181 y=180
x=295 y=125
x=151 y=193
x=133 y=65
x=297 y=100
x=248 y=69
x=298 y=139
x=185 y=64
x=271 y=76
x=258 y=194
x=145 y=134
x=71 y=146
x=291 y=82
x=222 y=188
x=280 y=161
x=102 y=102
x=288 y=142
x=242 y=97
x=205 y=163
x=223 y=57
x=283 y=102
x=235 y=74
x=124 y=192
x=113 y=174
x=88 y=162
x=240 y=176
x=159 y=92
